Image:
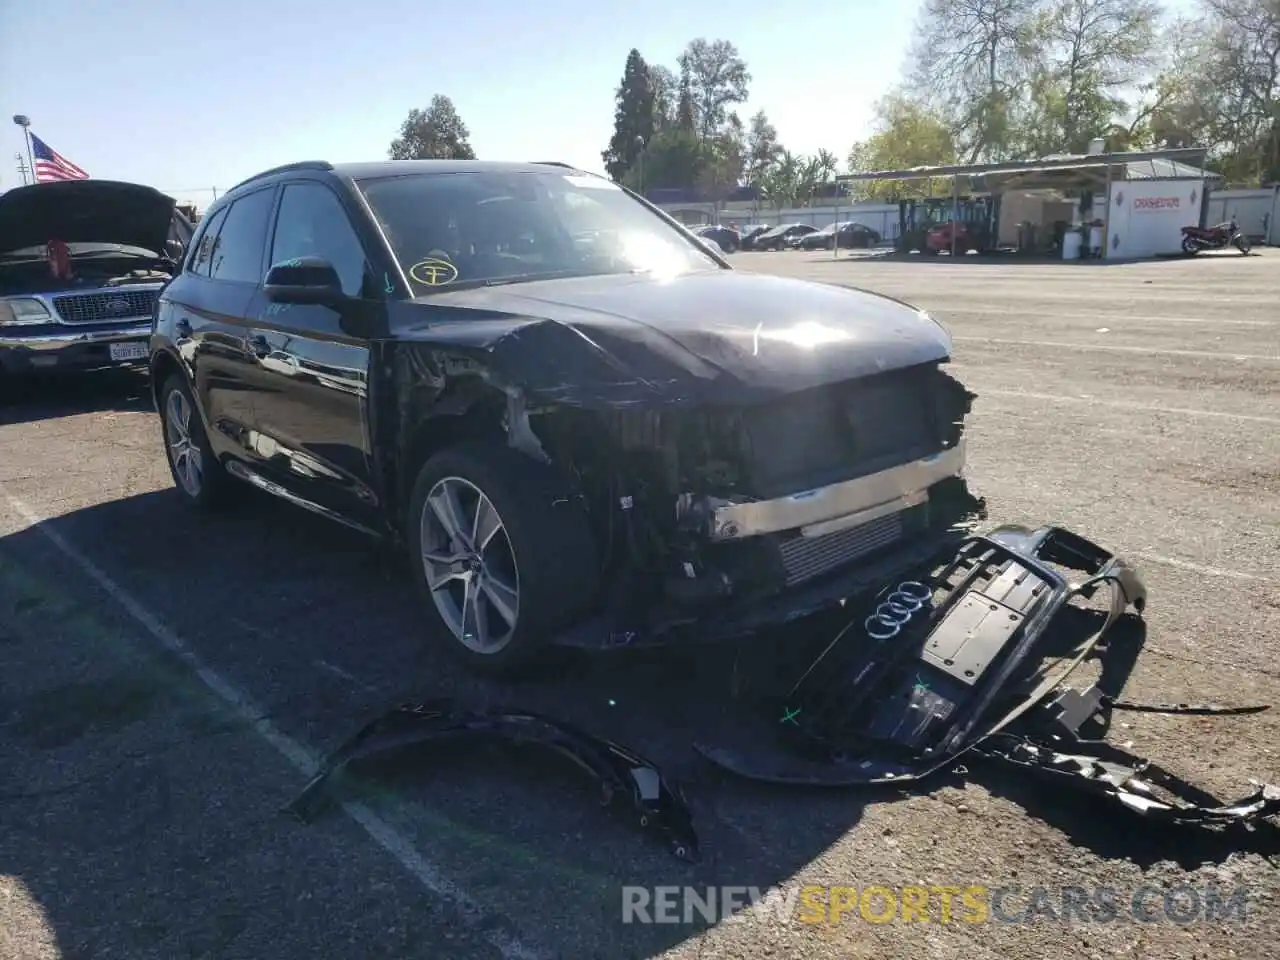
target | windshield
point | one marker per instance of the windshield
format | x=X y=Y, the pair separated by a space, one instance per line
x=465 y=229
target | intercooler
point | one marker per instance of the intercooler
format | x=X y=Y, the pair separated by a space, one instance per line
x=804 y=558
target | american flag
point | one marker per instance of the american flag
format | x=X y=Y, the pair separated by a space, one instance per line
x=51 y=165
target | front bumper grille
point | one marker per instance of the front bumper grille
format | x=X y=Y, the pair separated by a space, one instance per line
x=106 y=307
x=804 y=558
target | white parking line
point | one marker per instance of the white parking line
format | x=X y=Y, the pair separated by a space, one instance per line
x=1125 y=405
x=1057 y=345
x=302 y=758
x=1103 y=317
x=1201 y=568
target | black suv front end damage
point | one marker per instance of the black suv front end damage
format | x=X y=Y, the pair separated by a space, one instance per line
x=713 y=520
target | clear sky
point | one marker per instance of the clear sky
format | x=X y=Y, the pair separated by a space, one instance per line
x=185 y=95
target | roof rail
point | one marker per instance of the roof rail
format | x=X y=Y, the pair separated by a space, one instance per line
x=286 y=168
x=556 y=163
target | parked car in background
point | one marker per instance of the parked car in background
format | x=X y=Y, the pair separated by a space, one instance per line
x=726 y=238
x=848 y=234
x=580 y=425
x=82 y=263
x=782 y=236
x=747 y=234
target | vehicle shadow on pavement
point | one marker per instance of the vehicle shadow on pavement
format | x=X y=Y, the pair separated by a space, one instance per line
x=317 y=627
x=48 y=396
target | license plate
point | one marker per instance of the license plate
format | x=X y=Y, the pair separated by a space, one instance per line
x=128 y=351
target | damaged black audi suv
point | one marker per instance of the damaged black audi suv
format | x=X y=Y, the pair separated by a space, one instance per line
x=581 y=424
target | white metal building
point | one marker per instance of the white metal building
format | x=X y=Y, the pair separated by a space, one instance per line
x=1139 y=201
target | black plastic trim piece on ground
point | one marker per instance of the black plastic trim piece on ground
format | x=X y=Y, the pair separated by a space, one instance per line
x=658 y=807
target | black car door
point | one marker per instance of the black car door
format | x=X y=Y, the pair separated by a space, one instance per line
x=209 y=308
x=311 y=405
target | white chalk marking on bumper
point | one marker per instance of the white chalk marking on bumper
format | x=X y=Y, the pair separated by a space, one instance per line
x=302 y=758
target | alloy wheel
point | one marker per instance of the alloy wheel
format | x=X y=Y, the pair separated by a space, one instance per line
x=469 y=565
x=184 y=452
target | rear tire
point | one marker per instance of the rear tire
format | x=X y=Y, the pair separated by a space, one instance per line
x=1190 y=247
x=201 y=481
x=520 y=566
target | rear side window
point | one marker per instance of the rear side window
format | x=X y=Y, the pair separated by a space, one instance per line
x=203 y=254
x=237 y=253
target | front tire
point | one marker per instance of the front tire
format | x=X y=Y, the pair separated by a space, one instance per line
x=1243 y=244
x=201 y=481
x=502 y=556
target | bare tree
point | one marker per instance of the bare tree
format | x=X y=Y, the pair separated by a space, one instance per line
x=762 y=148
x=971 y=61
x=718 y=79
x=666 y=91
x=1098 y=48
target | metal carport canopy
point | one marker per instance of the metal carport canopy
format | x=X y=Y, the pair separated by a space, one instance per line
x=1092 y=165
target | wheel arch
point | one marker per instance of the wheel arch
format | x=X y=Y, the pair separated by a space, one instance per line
x=164 y=364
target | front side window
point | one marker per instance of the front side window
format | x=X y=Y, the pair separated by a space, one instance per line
x=313 y=223
x=237 y=253
x=468 y=229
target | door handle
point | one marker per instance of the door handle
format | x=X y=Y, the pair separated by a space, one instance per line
x=259 y=346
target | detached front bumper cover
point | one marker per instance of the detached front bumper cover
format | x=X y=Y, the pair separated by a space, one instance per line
x=956 y=659
x=912 y=681
x=658 y=807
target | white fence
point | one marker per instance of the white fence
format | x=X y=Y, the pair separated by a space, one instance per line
x=1256 y=210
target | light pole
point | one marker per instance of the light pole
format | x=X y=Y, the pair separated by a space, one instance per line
x=24 y=122
x=640 y=156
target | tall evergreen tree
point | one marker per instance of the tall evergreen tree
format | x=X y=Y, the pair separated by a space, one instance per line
x=633 y=118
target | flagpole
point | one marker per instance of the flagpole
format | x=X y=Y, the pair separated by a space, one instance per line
x=30 y=156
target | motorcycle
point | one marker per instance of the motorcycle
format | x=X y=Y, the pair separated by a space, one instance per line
x=1218 y=237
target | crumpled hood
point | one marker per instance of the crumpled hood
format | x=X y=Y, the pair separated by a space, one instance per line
x=710 y=336
x=85 y=211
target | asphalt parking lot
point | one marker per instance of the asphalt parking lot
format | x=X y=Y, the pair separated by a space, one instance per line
x=167 y=681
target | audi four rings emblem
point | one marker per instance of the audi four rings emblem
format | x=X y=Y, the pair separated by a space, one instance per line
x=897 y=610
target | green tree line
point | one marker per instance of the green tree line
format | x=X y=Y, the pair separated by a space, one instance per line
x=983 y=80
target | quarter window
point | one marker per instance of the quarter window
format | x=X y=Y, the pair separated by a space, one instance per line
x=237 y=253
x=313 y=223
x=202 y=256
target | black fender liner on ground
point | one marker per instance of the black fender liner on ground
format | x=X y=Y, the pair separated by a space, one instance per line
x=658 y=807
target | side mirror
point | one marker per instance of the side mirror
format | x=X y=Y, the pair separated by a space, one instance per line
x=304 y=280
